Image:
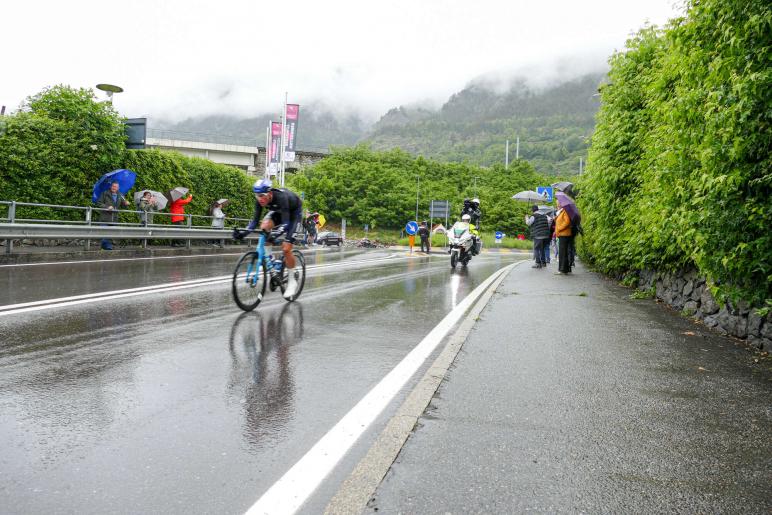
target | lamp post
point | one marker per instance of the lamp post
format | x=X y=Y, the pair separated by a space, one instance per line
x=417 y=189
x=109 y=89
x=475 y=186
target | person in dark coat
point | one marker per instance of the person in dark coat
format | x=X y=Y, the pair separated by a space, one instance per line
x=540 y=234
x=110 y=201
x=424 y=234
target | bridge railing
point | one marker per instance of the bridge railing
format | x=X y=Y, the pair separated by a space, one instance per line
x=81 y=225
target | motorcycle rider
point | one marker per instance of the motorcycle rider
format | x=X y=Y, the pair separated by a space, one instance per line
x=285 y=210
x=472 y=208
x=475 y=234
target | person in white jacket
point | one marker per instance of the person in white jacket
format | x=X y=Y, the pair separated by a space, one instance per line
x=218 y=221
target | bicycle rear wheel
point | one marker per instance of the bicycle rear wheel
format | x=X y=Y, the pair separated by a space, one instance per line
x=300 y=274
x=249 y=280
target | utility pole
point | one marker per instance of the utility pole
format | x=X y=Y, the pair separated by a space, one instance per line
x=417 y=189
x=506 y=160
x=580 y=166
x=517 y=148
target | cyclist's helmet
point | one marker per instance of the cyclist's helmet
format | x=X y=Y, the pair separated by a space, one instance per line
x=466 y=218
x=261 y=186
x=476 y=201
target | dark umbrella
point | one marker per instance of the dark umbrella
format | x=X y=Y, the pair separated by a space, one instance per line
x=565 y=186
x=568 y=204
x=124 y=178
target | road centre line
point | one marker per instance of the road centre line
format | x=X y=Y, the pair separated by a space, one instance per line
x=39 y=305
x=292 y=490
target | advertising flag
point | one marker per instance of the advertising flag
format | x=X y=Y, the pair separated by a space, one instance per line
x=291 y=128
x=273 y=152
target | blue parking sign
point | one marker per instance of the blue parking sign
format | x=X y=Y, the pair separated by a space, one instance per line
x=545 y=190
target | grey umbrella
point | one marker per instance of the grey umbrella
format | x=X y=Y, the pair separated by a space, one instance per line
x=160 y=198
x=529 y=196
x=178 y=192
x=565 y=186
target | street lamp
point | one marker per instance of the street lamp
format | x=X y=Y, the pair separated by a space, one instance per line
x=475 y=186
x=109 y=89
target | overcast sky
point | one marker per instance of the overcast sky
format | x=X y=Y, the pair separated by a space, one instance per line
x=180 y=58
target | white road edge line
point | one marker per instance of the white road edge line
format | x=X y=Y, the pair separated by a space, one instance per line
x=13 y=309
x=115 y=260
x=289 y=493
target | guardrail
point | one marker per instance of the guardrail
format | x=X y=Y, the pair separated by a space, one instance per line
x=13 y=227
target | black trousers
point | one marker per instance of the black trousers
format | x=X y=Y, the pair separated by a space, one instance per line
x=564 y=254
x=424 y=241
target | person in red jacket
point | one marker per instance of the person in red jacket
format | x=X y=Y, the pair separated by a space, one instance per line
x=177 y=209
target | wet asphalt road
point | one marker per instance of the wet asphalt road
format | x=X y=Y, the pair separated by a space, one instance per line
x=174 y=401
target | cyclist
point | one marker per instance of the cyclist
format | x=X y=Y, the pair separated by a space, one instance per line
x=285 y=211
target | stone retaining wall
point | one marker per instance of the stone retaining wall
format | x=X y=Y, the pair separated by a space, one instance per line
x=688 y=293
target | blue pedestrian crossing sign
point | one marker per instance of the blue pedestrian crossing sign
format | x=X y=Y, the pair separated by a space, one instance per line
x=499 y=235
x=411 y=228
x=546 y=191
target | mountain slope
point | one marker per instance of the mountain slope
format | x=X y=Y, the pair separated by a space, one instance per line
x=554 y=125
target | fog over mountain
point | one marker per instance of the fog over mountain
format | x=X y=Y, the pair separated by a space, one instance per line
x=551 y=108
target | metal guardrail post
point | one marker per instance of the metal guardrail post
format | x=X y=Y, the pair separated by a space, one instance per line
x=88 y=222
x=11 y=218
x=190 y=224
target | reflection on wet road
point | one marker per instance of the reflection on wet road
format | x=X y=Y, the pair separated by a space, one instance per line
x=176 y=401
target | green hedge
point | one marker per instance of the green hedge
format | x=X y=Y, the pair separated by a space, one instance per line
x=679 y=167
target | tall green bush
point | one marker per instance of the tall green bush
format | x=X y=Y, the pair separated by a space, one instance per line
x=379 y=188
x=62 y=140
x=679 y=168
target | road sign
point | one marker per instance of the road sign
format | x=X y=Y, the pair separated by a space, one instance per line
x=499 y=235
x=439 y=209
x=545 y=190
x=411 y=227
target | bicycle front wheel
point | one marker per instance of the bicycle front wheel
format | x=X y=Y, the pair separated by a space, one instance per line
x=300 y=274
x=249 y=281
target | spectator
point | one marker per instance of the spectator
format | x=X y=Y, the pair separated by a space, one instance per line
x=424 y=234
x=110 y=201
x=177 y=210
x=540 y=233
x=563 y=232
x=147 y=205
x=310 y=224
x=218 y=220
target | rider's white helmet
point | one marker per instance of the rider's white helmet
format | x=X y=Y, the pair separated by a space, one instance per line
x=466 y=218
x=476 y=200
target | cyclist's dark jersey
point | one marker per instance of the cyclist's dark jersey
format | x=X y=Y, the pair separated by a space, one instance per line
x=284 y=203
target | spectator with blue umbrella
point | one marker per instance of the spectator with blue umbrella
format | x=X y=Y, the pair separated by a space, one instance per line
x=108 y=195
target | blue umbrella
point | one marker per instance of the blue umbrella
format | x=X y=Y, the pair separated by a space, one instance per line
x=124 y=178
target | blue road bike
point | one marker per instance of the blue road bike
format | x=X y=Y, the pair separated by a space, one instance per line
x=257 y=269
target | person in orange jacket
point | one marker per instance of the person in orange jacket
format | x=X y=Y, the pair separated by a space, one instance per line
x=177 y=209
x=563 y=232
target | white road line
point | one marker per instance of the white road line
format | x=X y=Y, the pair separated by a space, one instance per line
x=25 y=307
x=289 y=493
x=114 y=260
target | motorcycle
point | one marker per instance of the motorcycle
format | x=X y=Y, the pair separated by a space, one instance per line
x=461 y=244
